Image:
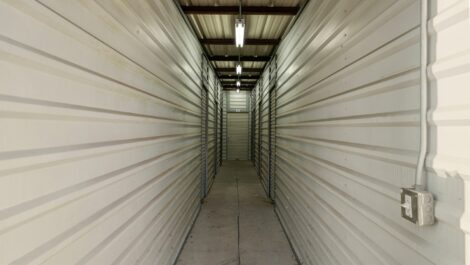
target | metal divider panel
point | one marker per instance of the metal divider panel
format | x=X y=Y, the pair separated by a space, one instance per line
x=204 y=127
x=272 y=128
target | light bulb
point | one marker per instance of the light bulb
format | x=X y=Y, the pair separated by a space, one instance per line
x=239 y=69
x=238 y=83
x=239 y=32
x=238 y=90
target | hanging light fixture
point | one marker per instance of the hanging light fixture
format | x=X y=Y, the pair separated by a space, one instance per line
x=239 y=40
x=239 y=69
x=239 y=32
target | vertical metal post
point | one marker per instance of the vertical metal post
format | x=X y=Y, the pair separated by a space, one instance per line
x=272 y=128
x=204 y=125
x=253 y=125
x=260 y=99
x=221 y=97
x=216 y=151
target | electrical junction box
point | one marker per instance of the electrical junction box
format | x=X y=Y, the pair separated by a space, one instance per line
x=417 y=206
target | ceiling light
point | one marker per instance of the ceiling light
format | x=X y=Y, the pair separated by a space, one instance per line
x=238 y=90
x=239 y=32
x=239 y=69
x=238 y=83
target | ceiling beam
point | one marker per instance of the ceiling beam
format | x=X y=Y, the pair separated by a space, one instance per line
x=232 y=41
x=245 y=70
x=246 y=10
x=234 y=58
x=234 y=89
x=243 y=84
x=244 y=81
x=234 y=76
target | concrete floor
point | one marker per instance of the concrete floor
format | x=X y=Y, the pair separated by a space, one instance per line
x=237 y=224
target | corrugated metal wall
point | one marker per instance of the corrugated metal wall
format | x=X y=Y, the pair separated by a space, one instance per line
x=100 y=132
x=347 y=133
x=448 y=162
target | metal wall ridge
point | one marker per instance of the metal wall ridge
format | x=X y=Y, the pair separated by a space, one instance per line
x=100 y=155
x=347 y=131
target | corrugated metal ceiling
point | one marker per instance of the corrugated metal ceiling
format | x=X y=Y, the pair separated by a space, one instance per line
x=258 y=26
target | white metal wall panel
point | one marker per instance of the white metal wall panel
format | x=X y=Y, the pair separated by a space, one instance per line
x=448 y=161
x=238 y=135
x=348 y=132
x=100 y=132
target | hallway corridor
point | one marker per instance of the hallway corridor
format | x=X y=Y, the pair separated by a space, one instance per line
x=237 y=224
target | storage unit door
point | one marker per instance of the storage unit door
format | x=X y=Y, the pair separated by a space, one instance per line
x=238 y=136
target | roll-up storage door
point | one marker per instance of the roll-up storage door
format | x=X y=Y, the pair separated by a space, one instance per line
x=238 y=125
x=238 y=136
